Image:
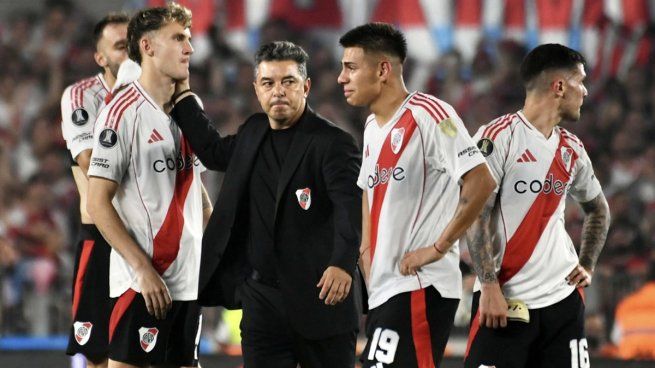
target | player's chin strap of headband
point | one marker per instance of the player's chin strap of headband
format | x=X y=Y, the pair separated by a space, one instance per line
x=128 y=72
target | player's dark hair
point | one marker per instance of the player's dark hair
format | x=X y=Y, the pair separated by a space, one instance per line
x=545 y=57
x=283 y=51
x=111 y=18
x=377 y=38
x=152 y=19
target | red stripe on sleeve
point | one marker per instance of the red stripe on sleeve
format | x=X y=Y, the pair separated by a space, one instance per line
x=421 y=330
x=434 y=103
x=427 y=109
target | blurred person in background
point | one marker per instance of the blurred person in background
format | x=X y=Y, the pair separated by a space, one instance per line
x=146 y=197
x=634 y=322
x=424 y=182
x=283 y=239
x=80 y=106
x=526 y=309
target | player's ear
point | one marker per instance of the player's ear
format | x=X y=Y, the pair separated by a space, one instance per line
x=557 y=86
x=100 y=59
x=384 y=70
x=145 y=44
x=306 y=86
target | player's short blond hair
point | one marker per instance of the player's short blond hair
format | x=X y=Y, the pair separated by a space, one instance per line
x=152 y=19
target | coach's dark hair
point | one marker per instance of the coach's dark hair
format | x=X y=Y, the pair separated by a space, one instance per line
x=545 y=57
x=152 y=19
x=282 y=51
x=111 y=18
x=377 y=37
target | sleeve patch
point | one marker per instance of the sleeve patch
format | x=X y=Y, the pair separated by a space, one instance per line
x=80 y=117
x=486 y=146
x=108 y=138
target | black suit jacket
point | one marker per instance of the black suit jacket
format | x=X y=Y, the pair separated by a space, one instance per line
x=321 y=157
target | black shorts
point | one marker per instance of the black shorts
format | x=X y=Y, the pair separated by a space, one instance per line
x=91 y=302
x=409 y=330
x=554 y=338
x=138 y=338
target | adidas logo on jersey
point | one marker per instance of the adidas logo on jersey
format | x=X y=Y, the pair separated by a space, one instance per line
x=155 y=137
x=527 y=156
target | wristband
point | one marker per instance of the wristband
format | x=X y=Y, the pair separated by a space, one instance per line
x=438 y=250
x=180 y=94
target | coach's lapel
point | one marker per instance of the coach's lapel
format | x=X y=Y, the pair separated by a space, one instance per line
x=299 y=144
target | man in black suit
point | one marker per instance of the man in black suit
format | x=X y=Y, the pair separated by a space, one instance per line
x=283 y=240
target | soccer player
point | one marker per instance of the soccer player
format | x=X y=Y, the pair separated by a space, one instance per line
x=80 y=105
x=528 y=310
x=424 y=182
x=147 y=199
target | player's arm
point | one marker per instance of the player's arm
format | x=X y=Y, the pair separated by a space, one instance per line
x=207 y=207
x=492 y=305
x=476 y=187
x=340 y=169
x=365 y=247
x=594 y=232
x=83 y=160
x=213 y=150
x=154 y=290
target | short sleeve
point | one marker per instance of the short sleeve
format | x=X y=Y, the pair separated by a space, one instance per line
x=585 y=185
x=112 y=146
x=495 y=153
x=78 y=113
x=361 y=179
x=457 y=147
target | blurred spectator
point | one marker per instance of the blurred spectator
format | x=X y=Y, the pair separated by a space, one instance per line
x=634 y=325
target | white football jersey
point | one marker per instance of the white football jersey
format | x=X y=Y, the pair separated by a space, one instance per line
x=533 y=251
x=159 y=198
x=80 y=105
x=410 y=171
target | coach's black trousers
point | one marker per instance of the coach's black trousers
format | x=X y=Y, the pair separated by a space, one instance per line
x=268 y=341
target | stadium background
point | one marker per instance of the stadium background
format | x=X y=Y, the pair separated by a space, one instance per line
x=465 y=52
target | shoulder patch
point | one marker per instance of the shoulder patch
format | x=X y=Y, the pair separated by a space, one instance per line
x=448 y=127
x=486 y=146
x=108 y=138
x=80 y=117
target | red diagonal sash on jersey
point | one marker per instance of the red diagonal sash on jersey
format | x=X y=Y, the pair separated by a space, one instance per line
x=388 y=159
x=521 y=245
x=167 y=241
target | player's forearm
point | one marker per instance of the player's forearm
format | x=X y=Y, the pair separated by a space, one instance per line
x=83 y=160
x=113 y=230
x=476 y=188
x=594 y=231
x=478 y=237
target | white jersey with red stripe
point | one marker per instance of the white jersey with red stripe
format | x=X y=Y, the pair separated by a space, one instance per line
x=533 y=251
x=80 y=105
x=159 y=198
x=410 y=172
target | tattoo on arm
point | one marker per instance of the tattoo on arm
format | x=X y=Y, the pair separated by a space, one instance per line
x=594 y=230
x=478 y=237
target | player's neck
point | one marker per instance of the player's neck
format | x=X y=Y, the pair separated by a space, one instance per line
x=110 y=80
x=158 y=86
x=542 y=114
x=389 y=101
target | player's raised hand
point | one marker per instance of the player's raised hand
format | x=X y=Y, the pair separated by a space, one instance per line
x=579 y=277
x=154 y=291
x=335 y=285
x=493 y=307
x=414 y=260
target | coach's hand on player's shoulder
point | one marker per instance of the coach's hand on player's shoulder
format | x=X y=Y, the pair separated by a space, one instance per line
x=335 y=285
x=414 y=260
x=579 y=277
x=154 y=291
x=493 y=306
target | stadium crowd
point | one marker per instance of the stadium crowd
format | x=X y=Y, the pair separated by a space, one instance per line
x=44 y=51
